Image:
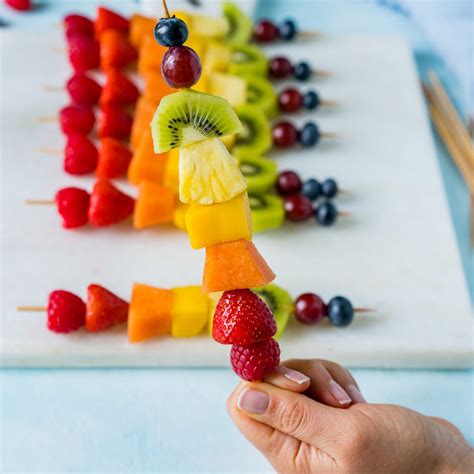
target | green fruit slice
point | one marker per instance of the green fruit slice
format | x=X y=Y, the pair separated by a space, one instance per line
x=280 y=303
x=248 y=59
x=260 y=93
x=241 y=27
x=256 y=135
x=188 y=116
x=268 y=212
x=260 y=173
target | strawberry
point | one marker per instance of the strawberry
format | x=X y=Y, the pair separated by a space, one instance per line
x=254 y=362
x=21 y=5
x=104 y=309
x=242 y=318
x=116 y=52
x=114 y=158
x=83 y=90
x=109 y=205
x=118 y=89
x=80 y=155
x=76 y=119
x=66 y=312
x=109 y=20
x=84 y=53
x=73 y=207
x=75 y=24
x=114 y=122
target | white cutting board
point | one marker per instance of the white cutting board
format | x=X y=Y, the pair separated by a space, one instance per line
x=397 y=253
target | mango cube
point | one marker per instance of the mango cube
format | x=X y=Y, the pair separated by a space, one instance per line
x=208 y=225
x=230 y=87
x=171 y=178
x=179 y=216
x=217 y=58
x=189 y=312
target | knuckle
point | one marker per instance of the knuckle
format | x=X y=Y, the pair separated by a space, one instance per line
x=291 y=417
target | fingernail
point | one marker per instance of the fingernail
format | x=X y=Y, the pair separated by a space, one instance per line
x=293 y=375
x=355 y=394
x=339 y=393
x=253 y=401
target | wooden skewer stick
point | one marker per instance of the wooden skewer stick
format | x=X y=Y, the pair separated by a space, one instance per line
x=364 y=310
x=330 y=103
x=322 y=73
x=50 y=151
x=309 y=34
x=47 y=119
x=31 y=308
x=344 y=214
x=59 y=50
x=330 y=135
x=50 y=88
x=40 y=202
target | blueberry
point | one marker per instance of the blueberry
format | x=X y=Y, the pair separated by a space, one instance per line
x=340 y=311
x=171 y=32
x=326 y=214
x=309 y=135
x=302 y=71
x=287 y=30
x=311 y=100
x=312 y=189
x=329 y=188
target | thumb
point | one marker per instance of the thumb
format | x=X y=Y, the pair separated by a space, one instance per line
x=290 y=413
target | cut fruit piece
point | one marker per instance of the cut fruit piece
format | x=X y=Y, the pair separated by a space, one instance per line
x=188 y=116
x=116 y=52
x=202 y=85
x=240 y=25
x=229 y=141
x=114 y=159
x=208 y=174
x=104 y=309
x=280 y=303
x=151 y=55
x=261 y=94
x=198 y=44
x=213 y=301
x=179 y=216
x=146 y=165
x=150 y=313
x=217 y=57
x=118 y=89
x=248 y=59
x=171 y=178
x=141 y=27
x=260 y=173
x=224 y=222
x=229 y=87
x=209 y=27
x=268 y=212
x=235 y=265
x=141 y=120
x=189 y=311
x=154 y=206
x=155 y=87
x=256 y=137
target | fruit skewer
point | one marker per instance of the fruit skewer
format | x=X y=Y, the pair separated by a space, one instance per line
x=179 y=312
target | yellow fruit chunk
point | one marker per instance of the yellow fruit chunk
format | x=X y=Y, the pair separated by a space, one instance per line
x=171 y=178
x=140 y=27
x=208 y=26
x=229 y=141
x=208 y=174
x=149 y=315
x=230 y=87
x=217 y=58
x=217 y=223
x=198 y=44
x=202 y=85
x=179 y=216
x=154 y=206
x=189 y=311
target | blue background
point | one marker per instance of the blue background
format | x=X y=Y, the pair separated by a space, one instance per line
x=175 y=420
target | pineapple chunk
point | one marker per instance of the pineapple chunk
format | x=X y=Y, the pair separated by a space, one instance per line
x=208 y=26
x=208 y=174
x=230 y=87
x=217 y=58
x=189 y=312
x=223 y=222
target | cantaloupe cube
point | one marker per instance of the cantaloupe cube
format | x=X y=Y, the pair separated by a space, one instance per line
x=146 y=165
x=189 y=311
x=235 y=265
x=154 y=205
x=144 y=112
x=208 y=225
x=171 y=178
x=140 y=28
x=150 y=55
x=150 y=313
x=179 y=216
x=155 y=87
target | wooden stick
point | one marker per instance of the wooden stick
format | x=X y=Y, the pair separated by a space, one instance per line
x=330 y=103
x=47 y=119
x=50 y=88
x=31 y=308
x=165 y=9
x=330 y=135
x=309 y=34
x=322 y=73
x=50 y=151
x=344 y=214
x=40 y=202
x=364 y=310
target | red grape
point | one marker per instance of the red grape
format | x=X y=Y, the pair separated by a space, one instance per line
x=288 y=182
x=285 y=135
x=290 y=100
x=181 y=67
x=265 y=31
x=310 y=308
x=298 y=208
x=280 y=68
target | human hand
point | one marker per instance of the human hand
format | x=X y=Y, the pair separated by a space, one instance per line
x=302 y=433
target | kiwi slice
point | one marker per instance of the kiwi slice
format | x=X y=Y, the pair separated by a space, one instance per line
x=255 y=138
x=248 y=59
x=189 y=116
x=268 y=212
x=240 y=24
x=260 y=92
x=260 y=173
x=280 y=303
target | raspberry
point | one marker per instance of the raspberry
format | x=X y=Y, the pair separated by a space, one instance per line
x=76 y=119
x=254 y=362
x=66 y=312
x=73 y=207
x=84 y=53
x=21 y=5
x=78 y=25
x=80 y=155
x=241 y=317
x=83 y=90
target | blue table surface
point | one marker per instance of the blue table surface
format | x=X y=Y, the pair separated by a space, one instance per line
x=174 y=420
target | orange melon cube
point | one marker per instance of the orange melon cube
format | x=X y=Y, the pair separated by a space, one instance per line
x=140 y=28
x=235 y=265
x=155 y=87
x=144 y=112
x=150 y=56
x=154 y=206
x=150 y=313
x=146 y=165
